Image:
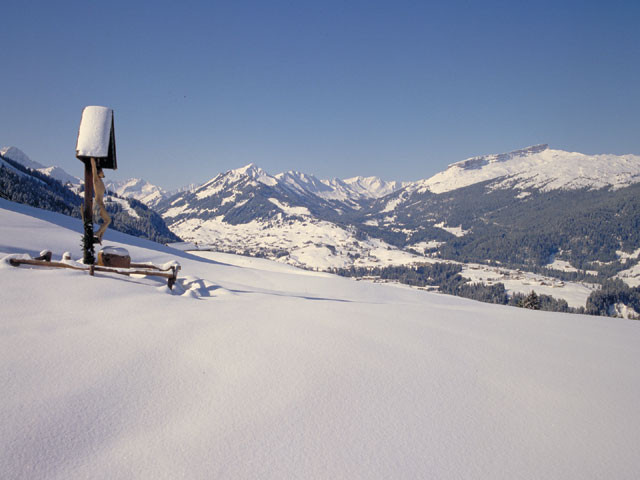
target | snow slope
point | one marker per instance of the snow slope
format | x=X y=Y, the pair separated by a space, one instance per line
x=17 y=155
x=254 y=372
x=61 y=175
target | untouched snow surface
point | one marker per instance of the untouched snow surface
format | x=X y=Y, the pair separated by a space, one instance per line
x=255 y=371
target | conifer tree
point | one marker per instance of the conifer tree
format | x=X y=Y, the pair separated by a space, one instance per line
x=87 y=243
x=531 y=301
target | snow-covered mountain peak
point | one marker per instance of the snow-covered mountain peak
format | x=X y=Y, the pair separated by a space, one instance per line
x=17 y=155
x=351 y=189
x=249 y=169
x=373 y=187
x=253 y=171
x=139 y=189
x=303 y=183
x=537 y=167
x=233 y=179
x=482 y=160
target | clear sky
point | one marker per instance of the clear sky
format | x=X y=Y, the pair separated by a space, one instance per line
x=396 y=89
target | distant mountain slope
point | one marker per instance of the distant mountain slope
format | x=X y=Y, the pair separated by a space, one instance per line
x=18 y=156
x=60 y=175
x=31 y=187
x=139 y=189
x=481 y=223
x=290 y=216
x=373 y=187
x=245 y=194
x=537 y=167
x=350 y=191
x=23 y=184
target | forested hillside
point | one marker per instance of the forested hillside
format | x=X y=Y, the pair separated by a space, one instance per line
x=24 y=185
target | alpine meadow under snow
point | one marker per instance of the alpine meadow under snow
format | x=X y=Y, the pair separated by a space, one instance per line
x=254 y=369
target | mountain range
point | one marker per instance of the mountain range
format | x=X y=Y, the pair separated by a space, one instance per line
x=538 y=209
x=526 y=209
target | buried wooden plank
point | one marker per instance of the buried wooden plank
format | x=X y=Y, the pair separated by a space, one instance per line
x=171 y=274
x=16 y=262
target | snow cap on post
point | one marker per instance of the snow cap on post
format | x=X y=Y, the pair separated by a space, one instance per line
x=96 y=137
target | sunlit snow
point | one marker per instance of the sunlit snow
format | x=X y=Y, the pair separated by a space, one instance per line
x=261 y=371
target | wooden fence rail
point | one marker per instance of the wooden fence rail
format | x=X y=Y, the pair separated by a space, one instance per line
x=171 y=274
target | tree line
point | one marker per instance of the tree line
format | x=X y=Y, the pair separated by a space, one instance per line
x=446 y=278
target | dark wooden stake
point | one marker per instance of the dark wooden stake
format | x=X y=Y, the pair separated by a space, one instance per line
x=87 y=215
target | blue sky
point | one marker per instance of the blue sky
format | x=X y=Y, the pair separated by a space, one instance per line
x=335 y=88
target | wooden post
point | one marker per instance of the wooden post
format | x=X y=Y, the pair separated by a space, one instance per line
x=88 y=190
x=87 y=215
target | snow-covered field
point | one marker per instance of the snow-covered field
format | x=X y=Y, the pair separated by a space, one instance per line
x=517 y=281
x=306 y=242
x=631 y=276
x=258 y=370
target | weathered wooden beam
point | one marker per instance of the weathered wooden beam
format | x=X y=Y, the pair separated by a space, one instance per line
x=16 y=262
x=152 y=266
x=171 y=274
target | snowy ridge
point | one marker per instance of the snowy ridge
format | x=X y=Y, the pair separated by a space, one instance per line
x=537 y=167
x=249 y=173
x=61 y=175
x=124 y=204
x=254 y=172
x=138 y=189
x=17 y=155
x=306 y=184
x=373 y=187
x=349 y=190
x=10 y=167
